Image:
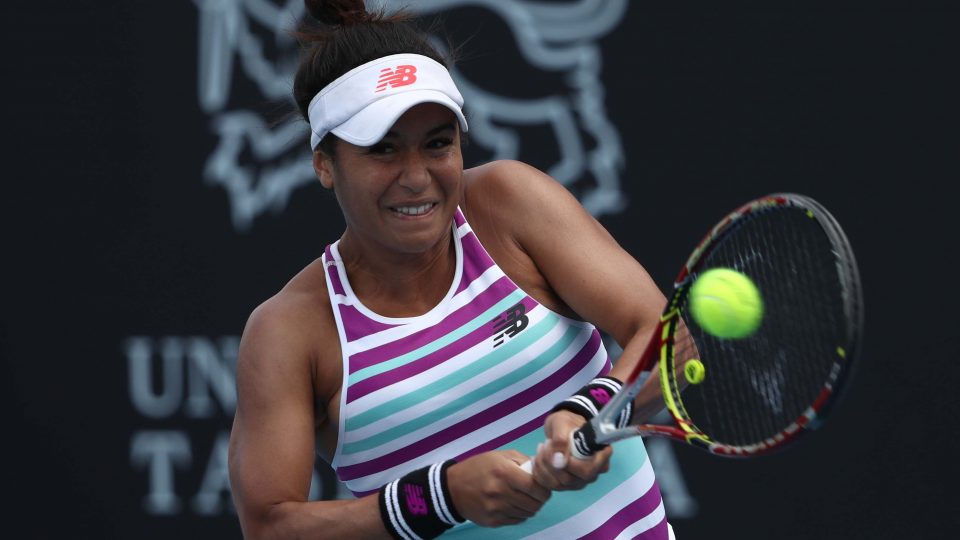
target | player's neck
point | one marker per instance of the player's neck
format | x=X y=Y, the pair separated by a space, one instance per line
x=397 y=284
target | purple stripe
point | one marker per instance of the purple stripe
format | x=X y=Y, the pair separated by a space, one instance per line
x=458 y=218
x=360 y=325
x=534 y=425
x=333 y=272
x=508 y=437
x=359 y=494
x=437 y=357
x=479 y=420
x=494 y=293
x=476 y=261
x=630 y=514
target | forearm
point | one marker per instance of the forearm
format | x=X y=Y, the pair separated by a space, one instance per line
x=649 y=400
x=346 y=519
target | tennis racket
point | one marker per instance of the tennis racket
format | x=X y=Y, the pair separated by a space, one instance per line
x=758 y=393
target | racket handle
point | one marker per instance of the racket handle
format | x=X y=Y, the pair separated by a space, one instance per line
x=583 y=442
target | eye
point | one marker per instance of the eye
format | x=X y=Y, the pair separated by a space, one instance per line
x=440 y=142
x=381 y=148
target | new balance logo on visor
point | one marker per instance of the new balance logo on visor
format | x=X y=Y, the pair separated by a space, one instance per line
x=510 y=323
x=401 y=76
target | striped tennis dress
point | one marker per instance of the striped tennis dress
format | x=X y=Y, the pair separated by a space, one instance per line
x=478 y=372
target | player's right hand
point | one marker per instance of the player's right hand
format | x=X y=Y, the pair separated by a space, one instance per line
x=491 y=489
x=554 y=468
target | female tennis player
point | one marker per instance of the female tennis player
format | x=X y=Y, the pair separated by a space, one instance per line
x=450 y=330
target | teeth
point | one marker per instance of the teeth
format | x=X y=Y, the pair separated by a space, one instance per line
x=414 y=210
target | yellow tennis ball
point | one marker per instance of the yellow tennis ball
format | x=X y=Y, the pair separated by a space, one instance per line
x=726 y=303
x=694 y=371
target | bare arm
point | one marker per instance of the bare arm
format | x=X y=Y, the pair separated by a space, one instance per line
x=582 y=263
x=272 y=444
x=589 y=272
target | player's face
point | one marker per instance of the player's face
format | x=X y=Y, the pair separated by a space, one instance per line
x=400 y=194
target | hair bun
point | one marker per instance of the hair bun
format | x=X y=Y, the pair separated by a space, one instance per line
x=338 y=12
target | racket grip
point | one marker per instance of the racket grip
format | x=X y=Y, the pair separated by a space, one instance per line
x=583 y=442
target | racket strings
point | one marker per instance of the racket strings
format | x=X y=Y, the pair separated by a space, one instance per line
x=756 y=386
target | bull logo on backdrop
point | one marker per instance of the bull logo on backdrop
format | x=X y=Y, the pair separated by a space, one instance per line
x=261 y=162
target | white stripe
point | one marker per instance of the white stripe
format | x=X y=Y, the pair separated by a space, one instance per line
x=648 y=522
x=396 y=516
x=341 y=333
x=625 y=414
x=585 y=403
x=430 y=405
x=488 y=432
x=608 y=383
x=477 y=407
x=414 y=385
x=436 y=493
x=600 y=511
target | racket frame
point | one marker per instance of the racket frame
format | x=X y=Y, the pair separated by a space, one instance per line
x=603 y=430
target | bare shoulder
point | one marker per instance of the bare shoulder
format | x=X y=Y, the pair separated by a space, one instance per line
x=298 y=310
x=515 y=199
x=510 y=192
x=288 y=335
x=507 y=181
x=515 y=210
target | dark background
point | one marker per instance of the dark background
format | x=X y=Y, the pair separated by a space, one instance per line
x=110 y=232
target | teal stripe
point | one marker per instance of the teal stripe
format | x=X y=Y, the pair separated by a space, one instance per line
x=417 y=354
x=628 y=456
x=497 y=357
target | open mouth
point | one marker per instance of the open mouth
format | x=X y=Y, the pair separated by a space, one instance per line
x=413 y=210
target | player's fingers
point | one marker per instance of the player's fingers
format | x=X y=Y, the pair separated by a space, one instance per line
x=524 y=484
x=530 y=488
x=522 y=505
x=516 y=456
x=544 y=473
x=560 y=479
x=587 y=470
x=564 y=470
x=500 y=520
x=559 y=439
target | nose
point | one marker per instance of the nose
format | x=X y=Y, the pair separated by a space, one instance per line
x=415 y=175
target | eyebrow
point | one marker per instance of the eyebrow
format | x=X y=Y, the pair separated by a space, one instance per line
x=439 y=129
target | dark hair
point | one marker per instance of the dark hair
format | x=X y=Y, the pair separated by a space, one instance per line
x=339 y=35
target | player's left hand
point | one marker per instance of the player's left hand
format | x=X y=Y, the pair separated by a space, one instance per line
x=554 y=468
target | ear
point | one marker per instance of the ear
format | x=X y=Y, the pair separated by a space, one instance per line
x=323 y=166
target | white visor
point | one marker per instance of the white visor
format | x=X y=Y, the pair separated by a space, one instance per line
x=364 y=103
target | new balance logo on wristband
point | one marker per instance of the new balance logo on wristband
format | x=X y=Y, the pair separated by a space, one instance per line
x=588 y=401
x=394 y=78
x=419 y=505
x=415 y=503
x=600 y=395
x=509 y=324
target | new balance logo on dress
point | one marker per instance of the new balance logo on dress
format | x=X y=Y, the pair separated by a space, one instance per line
x=401 y=76
x=509 y=324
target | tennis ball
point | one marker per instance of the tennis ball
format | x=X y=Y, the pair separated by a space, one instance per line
x=694 y=371
x=726 y=303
